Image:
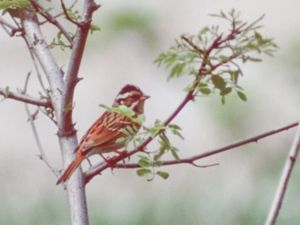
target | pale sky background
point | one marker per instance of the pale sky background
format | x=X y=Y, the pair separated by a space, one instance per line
x=272 y=88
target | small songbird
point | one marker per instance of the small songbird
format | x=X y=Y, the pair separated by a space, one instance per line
x=104 y=134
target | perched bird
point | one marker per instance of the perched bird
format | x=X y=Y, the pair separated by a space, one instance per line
x=107 y=133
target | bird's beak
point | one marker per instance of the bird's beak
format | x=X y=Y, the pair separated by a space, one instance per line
x=144 y=97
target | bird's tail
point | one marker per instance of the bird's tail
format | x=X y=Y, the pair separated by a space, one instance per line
x=71 y=168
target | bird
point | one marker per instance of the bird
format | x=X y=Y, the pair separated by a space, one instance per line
x=110 y=132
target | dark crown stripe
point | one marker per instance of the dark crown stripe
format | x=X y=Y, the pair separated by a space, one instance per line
x=129 y=88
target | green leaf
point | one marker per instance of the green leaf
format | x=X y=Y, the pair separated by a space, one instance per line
x=205 y=90
x=144 y=161
x=177 y=70
x=175 y=129
x=121 y=140
x=218 y=82
x=242 y=95
x=174 y=153
x=13 y=4
x=162 y=174
x=234 y=75
x=158 y=127
x=143 y=172
x=226 y=91
x=94 y=28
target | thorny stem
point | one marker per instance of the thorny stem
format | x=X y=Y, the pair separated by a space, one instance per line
x=191 y=160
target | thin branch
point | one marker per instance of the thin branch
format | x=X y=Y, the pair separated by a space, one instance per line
x=195 y=47
x=25 y=98
x=7 y=24
x=31 y=119
x=51 y=19
x=9 y=28
x=61 y=13
x=65 y=10
x=191 y=160
x=42 y=156
x=284 y=180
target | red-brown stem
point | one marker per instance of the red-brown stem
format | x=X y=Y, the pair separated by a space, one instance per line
x=191 y=160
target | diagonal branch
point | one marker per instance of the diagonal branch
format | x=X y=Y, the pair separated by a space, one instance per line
x=284 y=180
x=25 y=98
x=191 y=160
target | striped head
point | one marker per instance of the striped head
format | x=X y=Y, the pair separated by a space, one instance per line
x=132 y=97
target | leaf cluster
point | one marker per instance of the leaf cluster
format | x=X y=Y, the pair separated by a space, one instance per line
x=150 y=161
x=213 y=55
x=13 y=4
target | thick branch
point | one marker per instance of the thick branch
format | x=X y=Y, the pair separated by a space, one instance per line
x=71 y=76
x=191 y=160
x=284 y=180
x=25 y=98
x=75 y=187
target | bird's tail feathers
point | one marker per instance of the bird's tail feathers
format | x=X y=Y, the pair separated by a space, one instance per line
x=71 y=168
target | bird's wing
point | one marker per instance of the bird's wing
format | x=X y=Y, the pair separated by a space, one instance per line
x=104 y=133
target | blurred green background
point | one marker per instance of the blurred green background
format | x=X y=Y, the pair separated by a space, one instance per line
x=237 y=192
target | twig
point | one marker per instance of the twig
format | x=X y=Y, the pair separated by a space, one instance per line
x=195 y=47
x=25 y=98
x=31 y=118
x=284 y=180
x=65 y=10
x=191 y=160
x=51 y=19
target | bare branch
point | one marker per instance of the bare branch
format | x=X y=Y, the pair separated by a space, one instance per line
x=8 y=27
x=191 y=160
x=31 y=119
x=71 y=75
x=42 y=156
x=7 y=24
x=284 y=180
x=51 y=19
x=25 y=98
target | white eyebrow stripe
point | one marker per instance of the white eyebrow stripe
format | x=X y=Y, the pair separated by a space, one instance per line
x=125 y=95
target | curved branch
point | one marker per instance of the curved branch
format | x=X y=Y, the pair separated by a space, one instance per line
x=191 y=160
x=25 y=98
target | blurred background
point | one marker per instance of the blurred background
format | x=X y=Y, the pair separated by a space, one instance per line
x=238 y=191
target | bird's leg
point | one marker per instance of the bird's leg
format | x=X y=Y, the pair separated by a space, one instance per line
x=89 y=161
x=109 y=162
